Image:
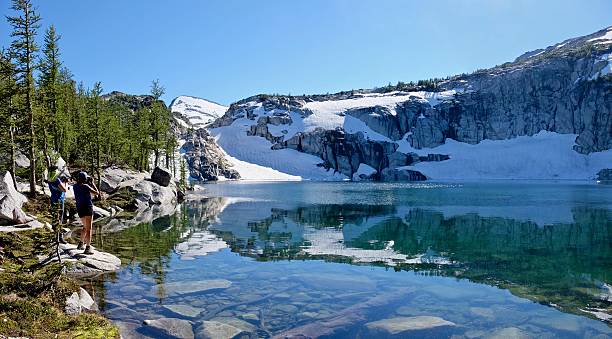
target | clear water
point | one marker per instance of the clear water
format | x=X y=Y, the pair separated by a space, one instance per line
x=339 y=260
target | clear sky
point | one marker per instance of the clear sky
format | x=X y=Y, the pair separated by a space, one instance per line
x=225 y=50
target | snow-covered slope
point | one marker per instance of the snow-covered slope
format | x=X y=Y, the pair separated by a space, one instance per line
x=198 y=112
x=254 y=159
x=546 y=155
x=545 y=115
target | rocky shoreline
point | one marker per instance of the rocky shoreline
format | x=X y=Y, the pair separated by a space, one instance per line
x=128 y=198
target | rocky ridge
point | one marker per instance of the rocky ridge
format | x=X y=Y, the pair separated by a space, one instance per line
x=565 y=88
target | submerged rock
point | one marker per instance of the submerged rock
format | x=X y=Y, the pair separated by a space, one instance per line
x=189 y=287
x=171 y=327
x=217 y=330
x=509 y=333
x=184 y=310
x=404 y=324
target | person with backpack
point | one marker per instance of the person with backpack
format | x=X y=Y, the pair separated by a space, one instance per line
x=83 y=189
x=58 y=187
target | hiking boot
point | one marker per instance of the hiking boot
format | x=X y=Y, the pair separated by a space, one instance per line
x=80 y=246
x=88 y=250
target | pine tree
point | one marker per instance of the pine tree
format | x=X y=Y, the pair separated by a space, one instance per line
x=8 y=92
x=23 y=51
x=159 y=120
x=95 y=126
x=49 y=87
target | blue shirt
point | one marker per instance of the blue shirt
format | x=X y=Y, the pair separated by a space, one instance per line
x=57 y=195
x=82 y=195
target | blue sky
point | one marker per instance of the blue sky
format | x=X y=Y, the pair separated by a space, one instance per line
x=225 y=50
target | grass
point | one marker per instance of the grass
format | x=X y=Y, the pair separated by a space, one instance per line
x=32 y=298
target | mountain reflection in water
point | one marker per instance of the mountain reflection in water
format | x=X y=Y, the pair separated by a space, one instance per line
x=566 y=265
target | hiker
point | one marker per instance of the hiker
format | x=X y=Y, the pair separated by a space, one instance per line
x=58 y=188
x=83 y=189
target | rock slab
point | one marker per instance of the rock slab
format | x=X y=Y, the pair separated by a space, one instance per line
x=217 y=330
x=398 y=325
x=189 y=287
x=171 y=327
x=81 y=264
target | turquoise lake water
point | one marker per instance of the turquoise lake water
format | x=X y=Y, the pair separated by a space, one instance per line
x=372 y=260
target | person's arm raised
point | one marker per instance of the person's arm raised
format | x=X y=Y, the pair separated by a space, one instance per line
x=93 y=189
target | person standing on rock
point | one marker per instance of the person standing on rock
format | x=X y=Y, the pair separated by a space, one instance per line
x=58 y=189
x=83 y=189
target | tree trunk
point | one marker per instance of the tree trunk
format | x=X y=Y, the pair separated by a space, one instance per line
x=29 y=90
x=13 y=166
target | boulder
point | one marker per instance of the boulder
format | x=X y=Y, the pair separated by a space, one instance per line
x=161 y=176
x=11 y=202
x=114 y=178
x=171 y=327
x=100 y=213
x=79 y=302
x=21 y=160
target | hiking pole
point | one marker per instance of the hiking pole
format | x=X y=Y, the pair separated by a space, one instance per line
x=58 y=235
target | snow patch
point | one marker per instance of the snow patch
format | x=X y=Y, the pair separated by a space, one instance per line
x=546 y=155
x=607 y=37
x=607 y=68
x=330 y=114
x=198 y=111
x=254 y=159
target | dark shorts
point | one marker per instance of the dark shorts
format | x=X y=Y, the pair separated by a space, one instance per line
x=85 y=211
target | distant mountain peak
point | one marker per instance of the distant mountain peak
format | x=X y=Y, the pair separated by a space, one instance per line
x=196 y=111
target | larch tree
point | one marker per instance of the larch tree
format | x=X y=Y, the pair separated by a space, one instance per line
x=23 y=51
x=8 y=92
x=49 y=91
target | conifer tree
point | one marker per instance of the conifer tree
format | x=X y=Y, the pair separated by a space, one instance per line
x=49 y=87
x=8 y=91
x=23 y=52
x=159 y=121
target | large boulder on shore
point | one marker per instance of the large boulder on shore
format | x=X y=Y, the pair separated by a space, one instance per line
x=161 y=176
x=11 y=202
x=114 y=178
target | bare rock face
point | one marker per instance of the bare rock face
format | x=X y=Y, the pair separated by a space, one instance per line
x=11 y=202
x=205 y=159
x=605 y=174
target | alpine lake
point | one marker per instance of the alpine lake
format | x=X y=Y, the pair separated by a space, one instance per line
x=369 y=260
